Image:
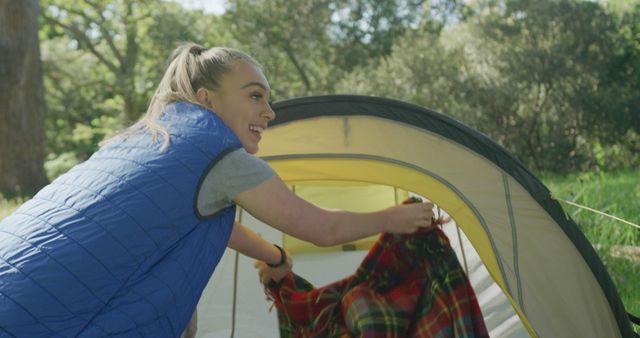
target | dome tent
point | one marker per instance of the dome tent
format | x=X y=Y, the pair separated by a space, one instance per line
x=354 y=148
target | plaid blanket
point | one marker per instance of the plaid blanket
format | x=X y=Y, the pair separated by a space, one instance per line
x=407 y=286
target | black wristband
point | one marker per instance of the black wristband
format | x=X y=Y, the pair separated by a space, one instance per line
x=283 y=258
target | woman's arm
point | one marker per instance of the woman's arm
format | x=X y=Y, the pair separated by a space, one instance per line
x=273 y=203
x=250 y=244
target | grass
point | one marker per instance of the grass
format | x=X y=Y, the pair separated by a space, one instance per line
x=8 y=205
x=617 y=243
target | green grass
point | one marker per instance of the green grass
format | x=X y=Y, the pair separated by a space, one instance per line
x=8 y=205
x=617 y=243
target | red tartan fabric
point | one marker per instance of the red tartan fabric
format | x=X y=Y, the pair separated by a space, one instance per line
x=407 y=286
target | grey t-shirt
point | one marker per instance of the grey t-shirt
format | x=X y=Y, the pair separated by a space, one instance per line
x=233 y=174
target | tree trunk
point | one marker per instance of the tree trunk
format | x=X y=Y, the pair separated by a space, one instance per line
x=21 y=98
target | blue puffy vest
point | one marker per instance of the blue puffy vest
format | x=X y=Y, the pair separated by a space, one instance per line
x=116 y=246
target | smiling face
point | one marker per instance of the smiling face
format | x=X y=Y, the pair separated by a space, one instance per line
x=242 y=102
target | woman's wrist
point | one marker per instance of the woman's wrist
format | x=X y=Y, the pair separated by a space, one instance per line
x=386 y=217
x=283 y=258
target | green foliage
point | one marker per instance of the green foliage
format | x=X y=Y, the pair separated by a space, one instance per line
x=556 y=58
x=9 y=203
x=365 y=30
x=57 y=165
x=78 y=91
x=420 y=69
x=619 y=155
x=102 y=61
x=127 y=41
x=80 y=141
x=625 y=71
x=290 y=39
x=171 y=26
x=109 y=31
x=538 y=77
x=546 y=61
x=308 y=46
x=555 y=82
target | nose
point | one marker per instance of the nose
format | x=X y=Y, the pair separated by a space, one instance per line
x=269 y=113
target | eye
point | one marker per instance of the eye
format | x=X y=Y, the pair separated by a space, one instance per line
x=256 y=96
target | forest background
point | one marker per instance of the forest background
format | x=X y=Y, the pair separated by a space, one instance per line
x=555 y=82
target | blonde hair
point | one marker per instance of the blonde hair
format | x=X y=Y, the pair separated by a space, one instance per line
x=191 y=67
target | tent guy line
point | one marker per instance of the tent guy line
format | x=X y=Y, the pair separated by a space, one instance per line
x=599 y=212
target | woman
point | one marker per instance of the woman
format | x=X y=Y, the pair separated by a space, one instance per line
x=124 y=243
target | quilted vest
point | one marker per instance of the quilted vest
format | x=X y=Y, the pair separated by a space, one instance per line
x=116 y=246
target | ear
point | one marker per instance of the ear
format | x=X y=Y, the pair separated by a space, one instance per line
x=204 y=97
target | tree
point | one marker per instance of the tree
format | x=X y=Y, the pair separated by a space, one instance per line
x=421 y=69
x=554 y=59
x=552 y=81
x=311 y=44
x=21 y=98
x=90 y=90
x=622 y=77
x=366 y=30
x=291 y=36
x=110 y=31
x=126 y=41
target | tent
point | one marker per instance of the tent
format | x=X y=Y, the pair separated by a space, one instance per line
x=534 y=272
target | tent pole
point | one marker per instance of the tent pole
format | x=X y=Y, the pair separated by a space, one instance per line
x=235 y=284
x=395 y=195
x=464 y=256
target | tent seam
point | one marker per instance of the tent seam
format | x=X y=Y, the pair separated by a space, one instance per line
x=514 y=238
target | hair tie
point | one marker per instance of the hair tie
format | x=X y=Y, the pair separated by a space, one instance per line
x=197 y=50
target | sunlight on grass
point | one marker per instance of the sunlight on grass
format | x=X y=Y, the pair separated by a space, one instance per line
x=7 y=206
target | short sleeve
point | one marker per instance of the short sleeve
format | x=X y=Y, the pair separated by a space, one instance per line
x=231 y=175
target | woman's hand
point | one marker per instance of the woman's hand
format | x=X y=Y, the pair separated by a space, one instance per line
x=268 y=274
x=408 y=218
